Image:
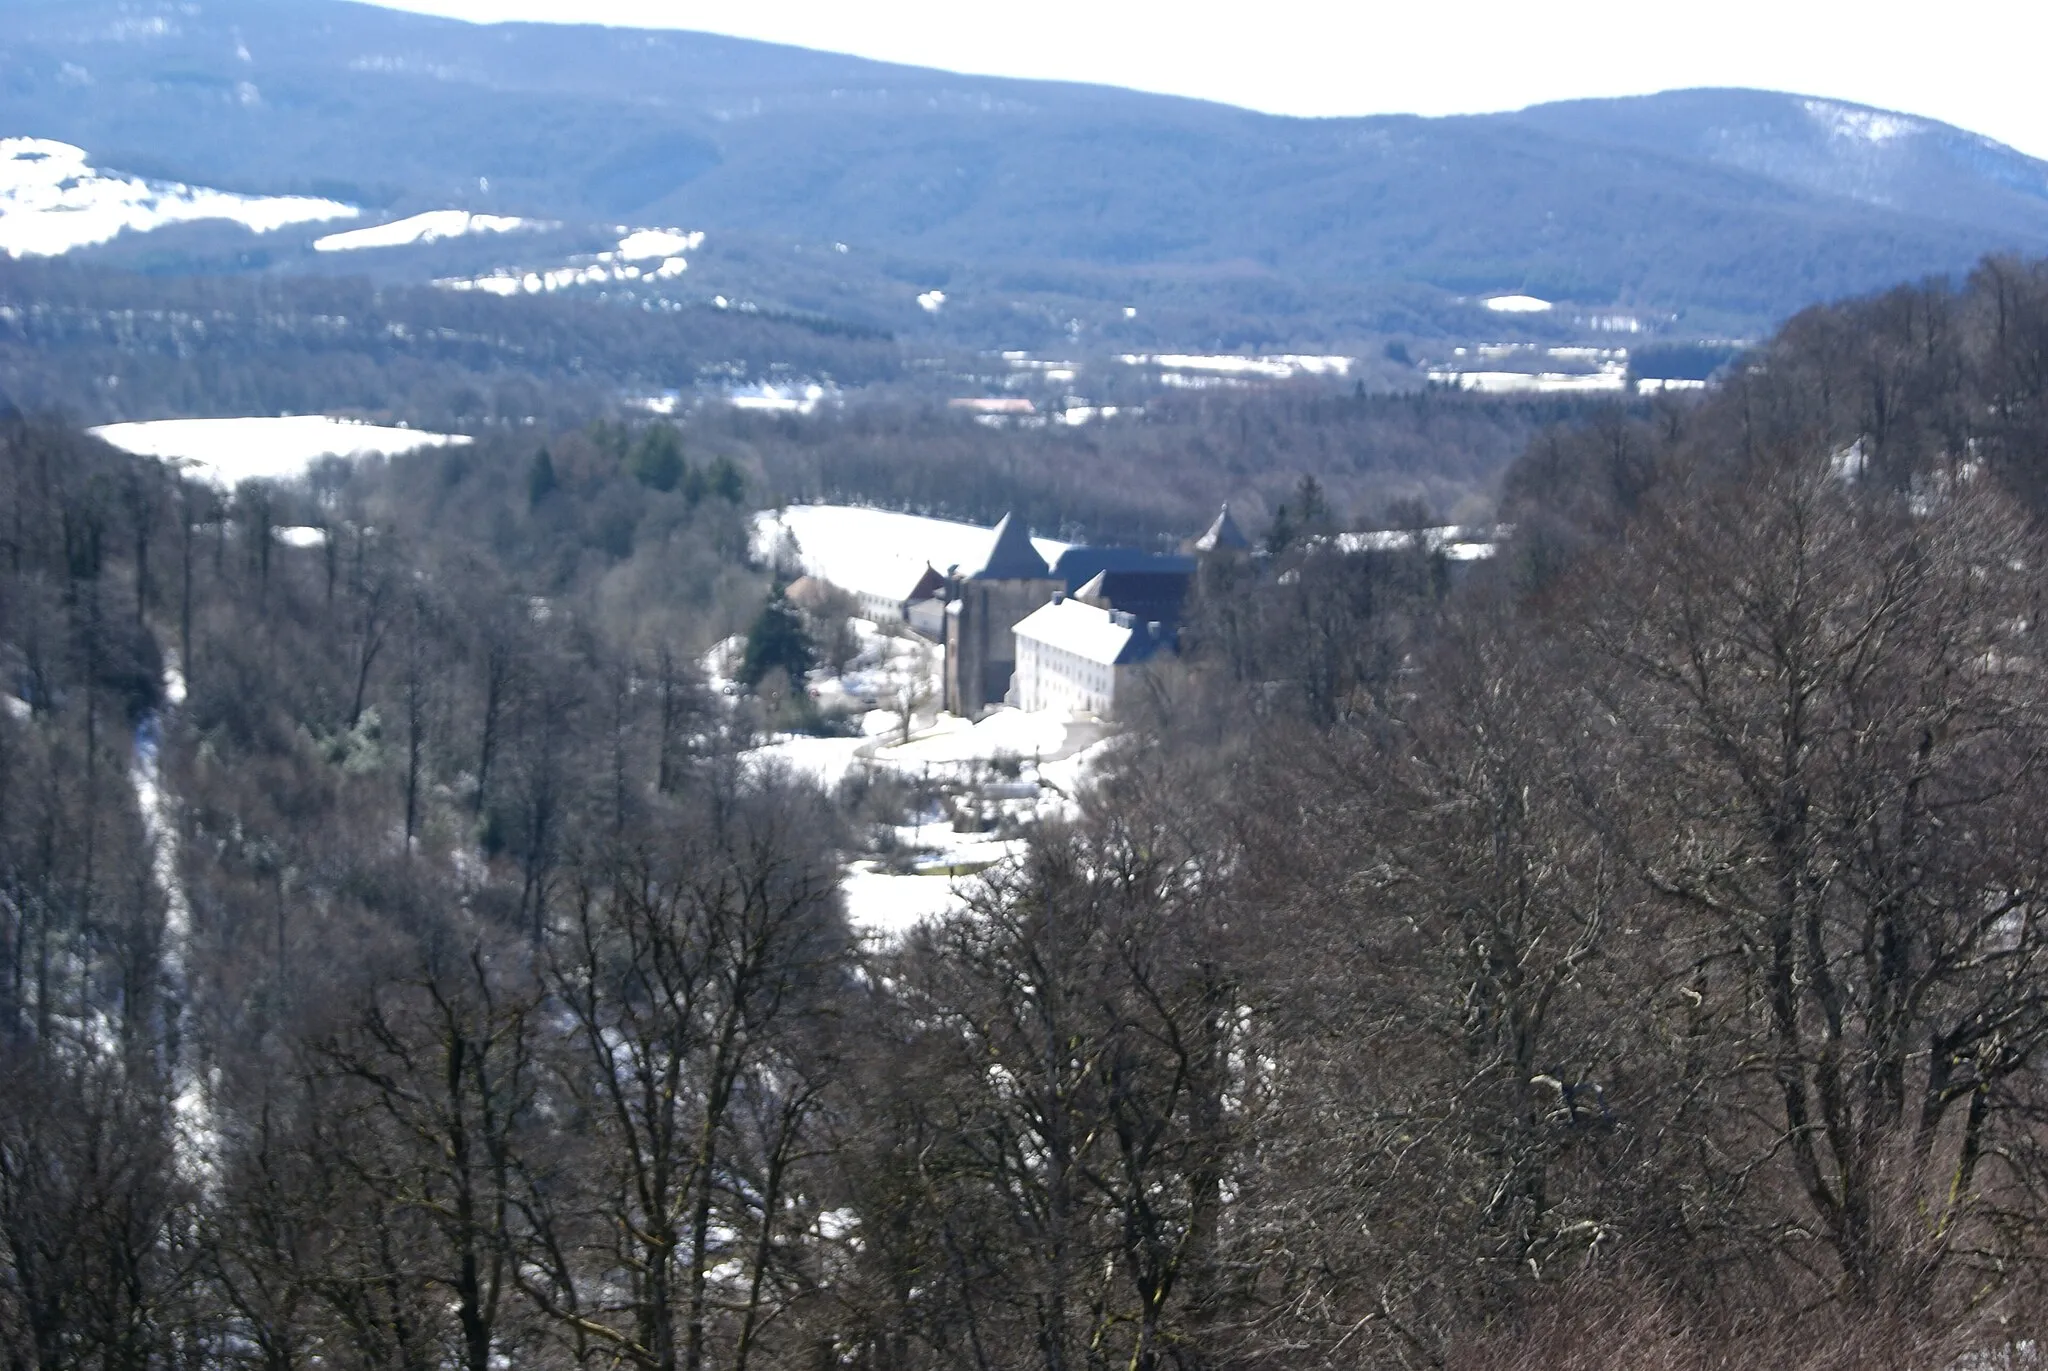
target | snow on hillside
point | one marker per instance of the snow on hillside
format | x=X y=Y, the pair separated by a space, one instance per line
x=604 y=271
x=788 y=398
x=876 y=551
x=664 y=247
x=1518 y=304
x=1860 y=125
x=229 y=451
x=431 y=227
x=53 y=201
x=644 y=245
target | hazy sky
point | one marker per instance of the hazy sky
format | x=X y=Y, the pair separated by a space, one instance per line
x=1976 y=63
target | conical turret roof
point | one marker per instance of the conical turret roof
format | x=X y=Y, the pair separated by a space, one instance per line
x=1223 y=536
x=1011 y=557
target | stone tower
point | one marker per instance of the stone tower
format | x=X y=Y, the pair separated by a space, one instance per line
x=984 y=606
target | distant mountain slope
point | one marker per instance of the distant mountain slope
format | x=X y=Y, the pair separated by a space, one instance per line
x=1720 y=205
x=1918 y=166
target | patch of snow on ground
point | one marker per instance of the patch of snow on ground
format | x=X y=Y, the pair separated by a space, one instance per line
x=825 y=761
x=1068 y=775
x=1517 y=304
x=1003 y=733
x=779 y=399
x=603 y=271
x=1279 y=367
x=884 y=906
x=432 y=227
x=932 y=301
x=648 y=244
x=229 y=451
x=1452 y=541
x=661 y=246
x=1538 y=382
x=1863 y=125
x=53 y=201
x=198 y=1147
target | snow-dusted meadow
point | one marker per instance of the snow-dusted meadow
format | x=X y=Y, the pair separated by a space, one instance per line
x=229 y=451
x=54 y=201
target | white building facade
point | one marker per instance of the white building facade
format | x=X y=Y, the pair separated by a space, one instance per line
x=1080 y=658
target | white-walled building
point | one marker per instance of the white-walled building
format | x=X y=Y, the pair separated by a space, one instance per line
x=1072 y=655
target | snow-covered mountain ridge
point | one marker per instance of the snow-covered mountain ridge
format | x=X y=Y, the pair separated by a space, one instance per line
x=1731 y=206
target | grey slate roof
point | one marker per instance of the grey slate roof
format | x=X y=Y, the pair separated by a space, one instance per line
x=1011 y=557
x=1078 y=566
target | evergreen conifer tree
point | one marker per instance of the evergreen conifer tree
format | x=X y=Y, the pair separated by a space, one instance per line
x=777 y=639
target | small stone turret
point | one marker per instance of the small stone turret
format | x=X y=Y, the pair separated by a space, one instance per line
x=1223 y=537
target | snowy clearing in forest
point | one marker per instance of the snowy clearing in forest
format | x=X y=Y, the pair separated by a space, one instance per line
x=53 y=201
x=230 y=451
x=644 y=245
x=431 y=227
x=662 y=247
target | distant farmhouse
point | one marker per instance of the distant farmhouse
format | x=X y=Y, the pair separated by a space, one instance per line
x=1030 y=622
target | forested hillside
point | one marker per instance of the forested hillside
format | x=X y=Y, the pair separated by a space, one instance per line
x=104 y=346
x=1628 y=953
x=1034 y=205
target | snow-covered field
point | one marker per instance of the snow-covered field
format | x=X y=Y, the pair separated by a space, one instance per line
x=789 y=398
x=1535 y=382
x=645 y=245
x=1518 y=304
x=229 y=451
x=432 y=227
x=876 y=551
x=1280 y=367
x=53 y=201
